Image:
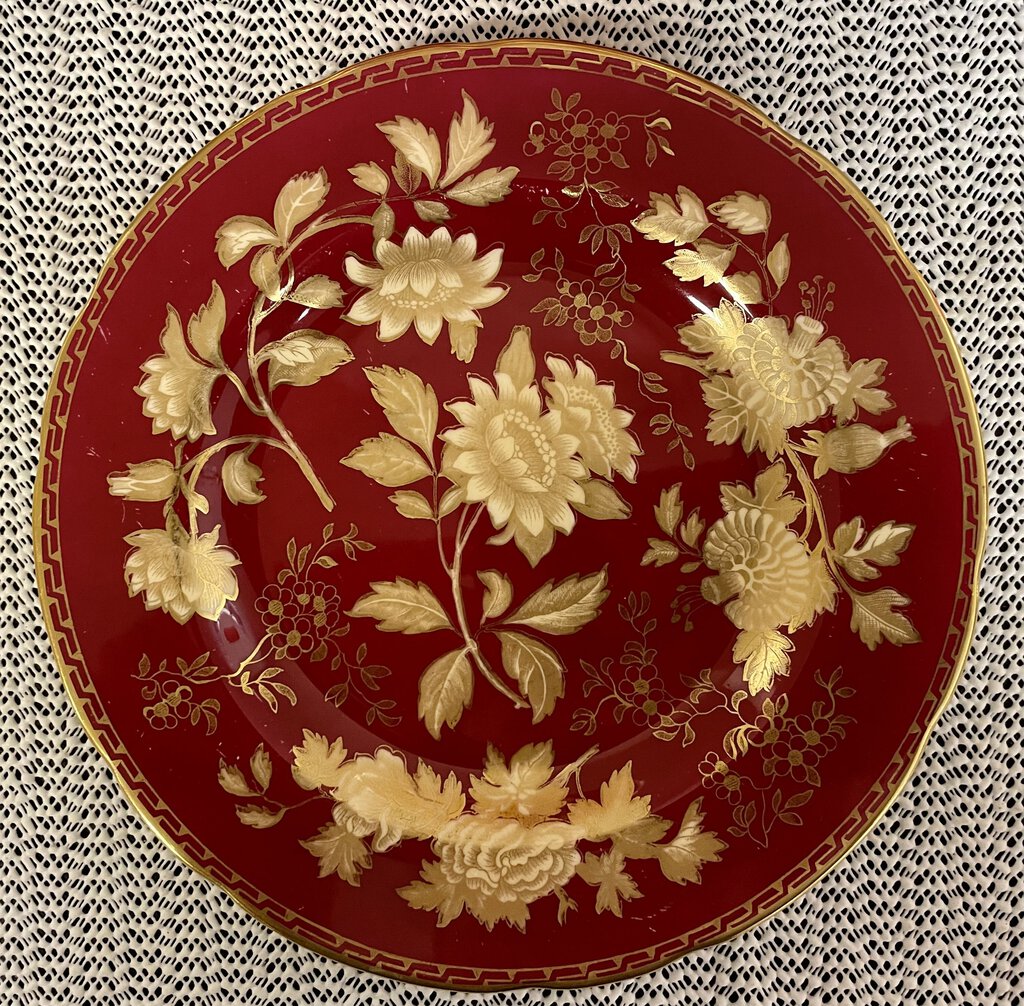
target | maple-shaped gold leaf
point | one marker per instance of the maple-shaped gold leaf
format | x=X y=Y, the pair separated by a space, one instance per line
x=876 y=616
x=617 y=809
x=469 y=141
x=526 y=788
x=764 y=655
x=316 y=763
x=673 y=221
x=706 y=261
x=339 y=852
x=770 y=494
x=743 y=212
x=715 y=333
x=614 y=885
x=682 y=859
x=882 y=547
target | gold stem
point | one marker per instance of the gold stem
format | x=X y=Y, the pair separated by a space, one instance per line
x=462 y=536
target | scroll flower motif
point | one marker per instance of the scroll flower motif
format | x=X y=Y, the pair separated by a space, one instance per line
x=423 y=282
x=780 y=379
x=176 y=390
x=182 y=574
x=764 y=572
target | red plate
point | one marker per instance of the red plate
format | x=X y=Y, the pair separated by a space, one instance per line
x=544 y=527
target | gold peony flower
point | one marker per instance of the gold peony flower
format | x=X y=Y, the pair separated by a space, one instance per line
x=587 y=411
x=495 y=869
x=764 y=572
x=780 y=379
x=511 y=457
x=425 y=281
x=182 y=574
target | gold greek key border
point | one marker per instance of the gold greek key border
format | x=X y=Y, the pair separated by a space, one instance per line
x=450 y=59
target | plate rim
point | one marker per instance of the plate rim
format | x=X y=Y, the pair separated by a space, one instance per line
x=517 y=977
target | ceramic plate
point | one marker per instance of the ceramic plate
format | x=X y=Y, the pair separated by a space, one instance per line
x=509 y=514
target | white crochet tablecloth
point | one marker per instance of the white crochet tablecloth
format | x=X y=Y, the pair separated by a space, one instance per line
x=918 y=101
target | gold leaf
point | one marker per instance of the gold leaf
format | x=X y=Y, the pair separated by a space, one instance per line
x=669 y=510
x=602 y=501
x=299 y=198
x=417 y=144
x=875 y=617
x=863 y=391
x=431 y=210
x=265 y=275
x=779 y=261
x=233 y=781
x=732 y=419
x=261 y=767
x=715 y=332
x=517 y=360
x=318 y=291
x=744 y=287
x=659 y=553
x=338 y=852
x=691 y=531
x=681 y=859
x=450 y=500
x=237 y=236
x=764 y=656
x=241 y=478
x=388 y=460
x=498 y=593
x=316 y=764
x=882 y=547
x=409 y=405
x=769 y=495
x=206 y=327
x=412 y=505
x=303 y=357
x=527 y=788
x=489 y=186
x=446 y=689
x=743 y=212
x=706 y=260
x=383 y=221
x=536 y=668
x=401 y=606
x=613 y=884
x=469 y=141
x=256 y=816
x=563 y=608
x=617 y=809
x=669 y=221
x=370 y=176
x=380 y=791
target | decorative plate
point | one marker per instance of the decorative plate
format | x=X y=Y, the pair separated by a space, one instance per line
x=509 y=514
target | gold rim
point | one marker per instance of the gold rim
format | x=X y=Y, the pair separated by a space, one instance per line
x=893 y=788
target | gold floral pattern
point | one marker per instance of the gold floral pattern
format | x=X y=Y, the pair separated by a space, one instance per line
x=507 y=841
x=763 y=378
x=301 y=619
x=420 y=281
x=534 y=456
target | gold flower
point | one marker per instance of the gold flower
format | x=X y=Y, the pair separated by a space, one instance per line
x=764 y=572
x=182 y=574
x=176 y=390
x=511 y=457
x=494 y=869
x=425 y=281
x=587 y=411
x=780 y=379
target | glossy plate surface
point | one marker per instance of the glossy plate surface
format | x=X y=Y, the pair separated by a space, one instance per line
x=544 y=526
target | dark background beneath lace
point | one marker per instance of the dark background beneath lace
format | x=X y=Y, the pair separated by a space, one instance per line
x=918 y=102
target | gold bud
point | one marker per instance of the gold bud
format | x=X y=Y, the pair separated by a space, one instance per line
x=147 y=481
x=849 y=449
x=240 y=477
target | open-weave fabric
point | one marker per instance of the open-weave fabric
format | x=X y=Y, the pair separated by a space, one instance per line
x=918 y=101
